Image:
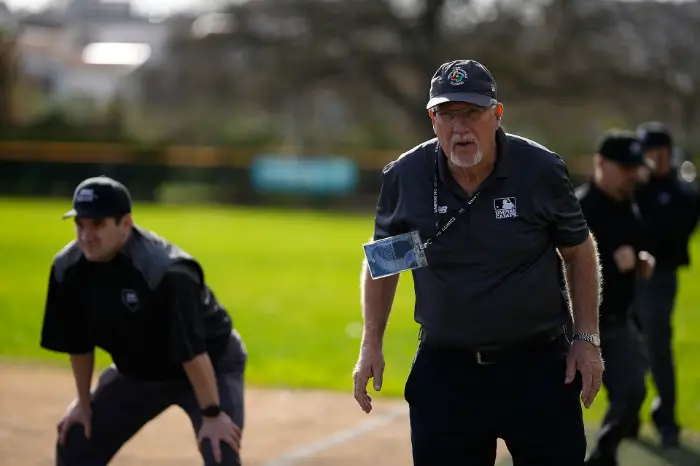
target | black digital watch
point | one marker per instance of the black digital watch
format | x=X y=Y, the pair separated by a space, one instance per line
x=211 y=411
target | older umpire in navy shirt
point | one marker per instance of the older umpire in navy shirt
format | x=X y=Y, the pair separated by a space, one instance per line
x=494 y=359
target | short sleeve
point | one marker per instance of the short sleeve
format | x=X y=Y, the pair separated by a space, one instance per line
x=386 y=221
x=561 y=207
x=185 y=324
x=65 y=328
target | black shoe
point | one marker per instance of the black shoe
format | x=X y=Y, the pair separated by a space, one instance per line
x=668 y=431
x=670 y=441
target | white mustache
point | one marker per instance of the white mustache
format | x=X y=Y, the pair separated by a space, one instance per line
x=463 y=140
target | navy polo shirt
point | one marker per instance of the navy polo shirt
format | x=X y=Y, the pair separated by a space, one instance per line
x=494 y=276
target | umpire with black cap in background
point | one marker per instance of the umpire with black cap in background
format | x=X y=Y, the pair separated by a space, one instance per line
x=493 y=211
x=143 y=300
x=670 y=210
x=614 y=219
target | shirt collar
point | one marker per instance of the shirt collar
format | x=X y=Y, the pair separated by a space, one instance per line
x=600 y=195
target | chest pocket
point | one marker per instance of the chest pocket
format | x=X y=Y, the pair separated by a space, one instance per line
x=504 y=239
x=121 y=316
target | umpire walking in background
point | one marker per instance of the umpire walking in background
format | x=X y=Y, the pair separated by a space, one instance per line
x=614 y=220
x=494 y=358
x=145 y=302
x=670 y=210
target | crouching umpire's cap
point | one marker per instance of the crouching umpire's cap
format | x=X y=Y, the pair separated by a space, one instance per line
x=462 y=81
x=100 y=197
x=622 y=147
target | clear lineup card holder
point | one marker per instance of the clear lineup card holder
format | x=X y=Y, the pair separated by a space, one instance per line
x=396 y=254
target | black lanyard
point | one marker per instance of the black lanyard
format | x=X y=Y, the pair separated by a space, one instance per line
x=435 y=204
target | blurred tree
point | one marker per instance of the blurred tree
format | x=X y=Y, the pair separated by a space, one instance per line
x=637 y=60
x=7 y=74
x=315 y=41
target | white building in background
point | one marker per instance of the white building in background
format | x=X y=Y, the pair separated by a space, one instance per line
x=85 y=48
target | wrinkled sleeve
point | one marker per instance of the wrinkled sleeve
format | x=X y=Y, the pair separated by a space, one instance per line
x=65 y=328
x=182 y=290
x=561 y=207
x=387 y=220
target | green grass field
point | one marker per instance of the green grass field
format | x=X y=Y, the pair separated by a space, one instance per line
x=291 y=283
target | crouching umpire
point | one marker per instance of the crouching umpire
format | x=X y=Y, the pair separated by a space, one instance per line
x=145 y=302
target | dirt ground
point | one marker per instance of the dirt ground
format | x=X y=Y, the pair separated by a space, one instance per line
x=283 y=427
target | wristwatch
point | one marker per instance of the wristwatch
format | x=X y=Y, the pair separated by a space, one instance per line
x=211 y=411
x=592 y=338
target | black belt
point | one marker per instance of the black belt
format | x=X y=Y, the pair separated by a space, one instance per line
x=490 y=355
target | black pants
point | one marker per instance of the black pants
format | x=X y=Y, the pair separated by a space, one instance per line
x=624 y=380
x=459 y=408
x=654 y=308
x=122 y=405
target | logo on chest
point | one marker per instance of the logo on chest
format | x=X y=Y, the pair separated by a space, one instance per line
x=505 y=207
x=131 y=300
x=664 y=198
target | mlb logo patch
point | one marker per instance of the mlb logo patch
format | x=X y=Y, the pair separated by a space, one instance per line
x=505 y=207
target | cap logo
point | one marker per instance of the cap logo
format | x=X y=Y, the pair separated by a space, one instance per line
x=85 y=195
x=457 y=77
x=635 y=148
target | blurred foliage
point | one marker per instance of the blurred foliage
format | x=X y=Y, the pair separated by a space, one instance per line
x=332 y=75
x=56 y=126
x=600 y=61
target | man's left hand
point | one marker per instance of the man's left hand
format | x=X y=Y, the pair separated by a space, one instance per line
x=219 y=429
x=585 y=358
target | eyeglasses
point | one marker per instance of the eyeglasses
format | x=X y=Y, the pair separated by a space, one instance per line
x=469 y=114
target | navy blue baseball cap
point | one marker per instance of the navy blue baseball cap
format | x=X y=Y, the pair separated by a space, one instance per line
x=462 y=81
x=654 y=134
x=623 y=147
x=98 y=198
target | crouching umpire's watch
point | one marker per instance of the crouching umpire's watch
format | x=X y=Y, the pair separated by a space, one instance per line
x=592 y=338
x=211 y=411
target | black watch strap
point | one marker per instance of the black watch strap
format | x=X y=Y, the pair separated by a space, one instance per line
x=211 y=411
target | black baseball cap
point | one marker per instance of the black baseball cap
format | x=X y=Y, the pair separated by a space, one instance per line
x=462 y=81
x=623 y=147
x=654 y=134
x=100 y=197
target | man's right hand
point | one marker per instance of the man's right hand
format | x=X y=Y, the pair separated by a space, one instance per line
x=77 y=413
x=370 y=365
